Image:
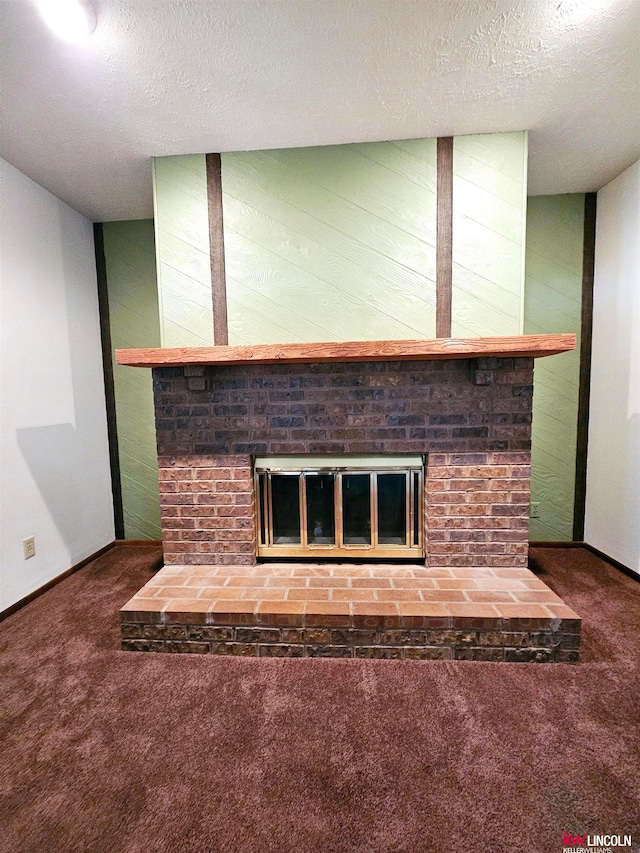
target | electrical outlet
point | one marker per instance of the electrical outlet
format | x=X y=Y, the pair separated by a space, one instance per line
x=535 y=509
x=29 y=547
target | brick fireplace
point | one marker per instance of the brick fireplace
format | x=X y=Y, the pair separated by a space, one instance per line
x=472 y=421
x=466 y=413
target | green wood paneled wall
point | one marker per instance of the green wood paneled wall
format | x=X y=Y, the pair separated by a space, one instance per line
x=133 y=316
x=553 y=301
x=338 y=242
x=332 y=243
x=182 y=249
x=489 y=199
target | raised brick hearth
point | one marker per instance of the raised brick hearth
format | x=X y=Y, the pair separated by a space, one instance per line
x=366 y=611
x=470 y=418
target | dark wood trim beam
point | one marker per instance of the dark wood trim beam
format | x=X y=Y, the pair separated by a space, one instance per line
x=109 y=383
x=216 y=246
x=444 y=236
x=586 y=328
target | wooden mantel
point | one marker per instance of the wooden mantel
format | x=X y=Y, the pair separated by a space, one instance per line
x=521 y=346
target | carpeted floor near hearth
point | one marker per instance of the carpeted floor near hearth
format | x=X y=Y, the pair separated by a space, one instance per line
x=104 y=751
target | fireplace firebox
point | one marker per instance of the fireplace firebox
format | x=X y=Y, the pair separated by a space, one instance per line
x=324 y=507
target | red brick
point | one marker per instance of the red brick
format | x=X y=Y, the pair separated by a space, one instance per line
x=484 y=653
x=213 y=492
x=427 y=653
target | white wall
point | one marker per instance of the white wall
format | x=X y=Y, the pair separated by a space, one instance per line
x=612 y=521
x=54 y=464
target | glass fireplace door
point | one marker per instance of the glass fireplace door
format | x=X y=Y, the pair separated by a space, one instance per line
x=319 y=497
x=327 y=507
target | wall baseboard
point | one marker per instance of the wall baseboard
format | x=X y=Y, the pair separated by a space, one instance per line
x=158 y=563
x=53 y=582
x=615 y=563
x=600 y=554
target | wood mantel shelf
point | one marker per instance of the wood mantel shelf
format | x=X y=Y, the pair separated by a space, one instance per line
x=521 y=346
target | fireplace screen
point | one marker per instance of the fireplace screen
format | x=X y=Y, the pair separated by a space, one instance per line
x=339 y=506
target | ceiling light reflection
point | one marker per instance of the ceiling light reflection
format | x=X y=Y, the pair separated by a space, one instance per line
x=71 y=20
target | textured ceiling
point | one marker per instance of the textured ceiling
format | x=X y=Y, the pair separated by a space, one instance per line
x=169 y=77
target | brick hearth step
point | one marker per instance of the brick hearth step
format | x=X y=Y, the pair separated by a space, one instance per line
x=346 y=610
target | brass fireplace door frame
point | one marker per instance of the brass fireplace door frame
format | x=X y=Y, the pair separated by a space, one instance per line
x=411 y=467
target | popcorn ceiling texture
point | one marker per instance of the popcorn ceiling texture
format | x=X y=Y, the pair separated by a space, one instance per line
x=180 y=78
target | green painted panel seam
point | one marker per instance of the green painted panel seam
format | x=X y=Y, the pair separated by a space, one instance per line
x=345 y=198
x=523 y=255
x=282 y=168
x=340 y=253
x=469 y=295
x=156 y=225
x=419 y=184
x=323 y=281
x=276 y=305
x=366 y=250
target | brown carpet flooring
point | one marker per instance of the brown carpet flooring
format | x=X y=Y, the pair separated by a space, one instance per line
x=103 y=750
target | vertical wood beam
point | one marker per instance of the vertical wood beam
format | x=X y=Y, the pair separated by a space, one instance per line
x=216 y=246
x=109 y=383
x=444 y=236
x=586 y=328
